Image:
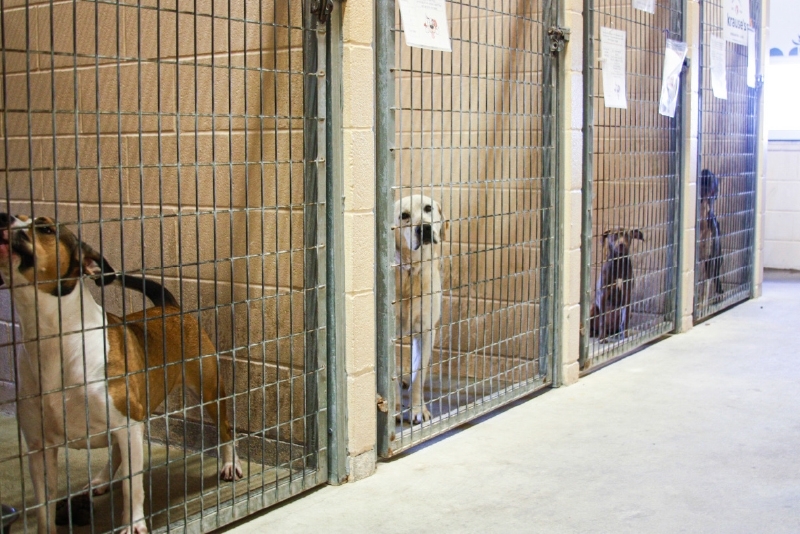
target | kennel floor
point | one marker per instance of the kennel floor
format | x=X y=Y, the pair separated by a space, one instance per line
x=176 y=489
x=447 y=393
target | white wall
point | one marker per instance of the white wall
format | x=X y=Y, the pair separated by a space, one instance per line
x=782 y=219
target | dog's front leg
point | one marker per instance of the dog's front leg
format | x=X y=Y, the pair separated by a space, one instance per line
x=420 y=358
x=43 y=465
x=130 y=442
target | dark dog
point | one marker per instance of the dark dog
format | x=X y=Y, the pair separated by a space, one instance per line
x=710 y=248
x=614 y=287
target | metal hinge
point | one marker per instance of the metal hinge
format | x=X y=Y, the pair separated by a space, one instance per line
x=322 y=9
x=558 y=37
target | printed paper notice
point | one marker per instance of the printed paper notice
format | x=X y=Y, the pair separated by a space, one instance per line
x=612 y=50
x=751 y=58
x=719 y=77
x=671 y=80
x=645 y=5
x=425 y=24
x=736 y=21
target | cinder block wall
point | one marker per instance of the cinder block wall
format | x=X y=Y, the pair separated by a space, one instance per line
x=144 y=137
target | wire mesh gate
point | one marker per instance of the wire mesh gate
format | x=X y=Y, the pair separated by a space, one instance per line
x=631 y=186
x=465 y=211
x=726 y=172
x=183 y=142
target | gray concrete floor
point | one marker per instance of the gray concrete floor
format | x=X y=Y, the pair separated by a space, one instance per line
x=698 y=433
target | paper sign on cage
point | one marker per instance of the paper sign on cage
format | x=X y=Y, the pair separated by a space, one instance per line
x=671 y=79
x=645 y=5
x=612 y=51
x=719 y=75
x=425 y=24
x=751 y=58
x=736 y=21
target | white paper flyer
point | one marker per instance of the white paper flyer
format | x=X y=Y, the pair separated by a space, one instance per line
x=736 y=21
x=674 y=55
x=719 y=65
x=612 y=52
x=425 y=24
x=645 y=5
x=751 y=58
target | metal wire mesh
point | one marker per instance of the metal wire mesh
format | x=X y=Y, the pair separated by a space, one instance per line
x=726 y=173
x=631 y=176
x=470 y=130
x=183 y=141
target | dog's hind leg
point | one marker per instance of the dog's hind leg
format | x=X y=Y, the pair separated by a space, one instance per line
x=130 y=440
x=214 y=389
x=420 y=358
x=231 y=467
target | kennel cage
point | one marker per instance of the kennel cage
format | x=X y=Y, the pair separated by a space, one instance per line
x=473 y=129
x=631 y=182
x=728 y=148
x=185 y=142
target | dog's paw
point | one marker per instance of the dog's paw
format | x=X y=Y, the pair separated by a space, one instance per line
x=419 y=416
x=231 y=471
x=140 y=527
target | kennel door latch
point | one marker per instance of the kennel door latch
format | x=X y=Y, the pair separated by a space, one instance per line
x=322 y=9
x=558 y=38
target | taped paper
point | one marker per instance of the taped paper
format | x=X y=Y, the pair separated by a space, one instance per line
x=719 y=65
x=674 y=55
x=751 y=58
x=645 y=5
x=425 y=24
x=612 y=52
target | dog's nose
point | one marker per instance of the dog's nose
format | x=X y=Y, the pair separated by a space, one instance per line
x=5 y=220
x=427 y=234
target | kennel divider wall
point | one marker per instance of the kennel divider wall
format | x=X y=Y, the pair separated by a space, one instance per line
x=186 y=143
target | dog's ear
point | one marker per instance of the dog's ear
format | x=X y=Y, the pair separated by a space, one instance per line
x=445 y=223
x=636 y=234
x=96 y=266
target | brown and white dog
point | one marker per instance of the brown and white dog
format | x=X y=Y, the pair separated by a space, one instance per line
x=419 y=230
x=614 y=288
x=709 y=233
x=83 y=377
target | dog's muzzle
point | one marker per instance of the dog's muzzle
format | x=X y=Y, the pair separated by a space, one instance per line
x=424 y=234
x=13 y=240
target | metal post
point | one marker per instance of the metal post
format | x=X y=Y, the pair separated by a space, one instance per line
x=384 y=208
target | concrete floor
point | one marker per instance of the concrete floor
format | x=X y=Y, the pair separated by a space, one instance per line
x=698 y=433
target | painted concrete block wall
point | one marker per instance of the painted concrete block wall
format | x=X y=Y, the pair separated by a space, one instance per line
x=782 y=215
x=359 y=234
x=571 y=162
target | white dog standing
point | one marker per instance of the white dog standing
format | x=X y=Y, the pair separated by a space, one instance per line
x=420 y=228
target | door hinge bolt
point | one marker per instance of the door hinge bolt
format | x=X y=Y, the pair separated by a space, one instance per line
x=558 y=38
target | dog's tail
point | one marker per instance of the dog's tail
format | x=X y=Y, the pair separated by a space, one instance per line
x=158 y=294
